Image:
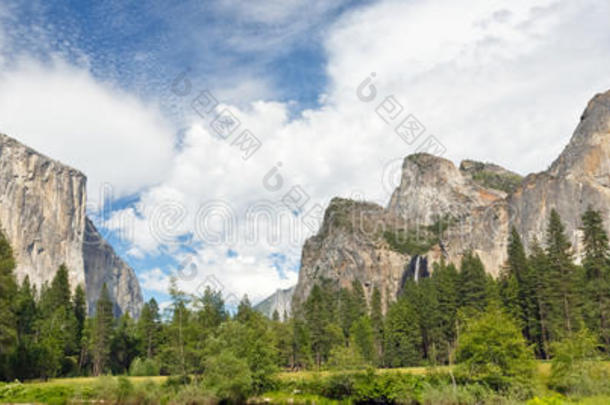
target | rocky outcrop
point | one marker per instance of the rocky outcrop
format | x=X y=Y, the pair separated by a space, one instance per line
x=279 y=301
x=351 y=246
x=102 y=265
x=442 y=211
x=42 y=213
x=579 y=178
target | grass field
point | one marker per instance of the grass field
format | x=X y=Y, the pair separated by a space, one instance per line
x=60 y=391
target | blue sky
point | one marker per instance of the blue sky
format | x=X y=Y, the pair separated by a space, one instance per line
x=139 y=45
x=90 y=84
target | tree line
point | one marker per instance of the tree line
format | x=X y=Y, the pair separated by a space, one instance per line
x=47 y=333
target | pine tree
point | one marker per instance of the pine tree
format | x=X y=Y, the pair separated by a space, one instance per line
x=564 y=278
x=445 y=280
x=597 y=275
x=8 y=291
x=518 y=287
x=402 y=336
x=123 y=345
x=473 y=285
x=364 y=340
x=57 y=327
x=543 y=297
x=149 y=328
x=23 y=361
x=102 y=332
x=244 y=310
x=319 y=313
x=80 y=311
x=174 y=353
x=377 y=323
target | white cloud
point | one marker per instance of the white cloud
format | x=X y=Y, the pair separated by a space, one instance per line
x=503 y=81
x=498 y=80
x=110 y=135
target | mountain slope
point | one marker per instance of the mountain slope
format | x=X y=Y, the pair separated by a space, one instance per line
x=279 y=301
x=442 y=211
x=42 y=213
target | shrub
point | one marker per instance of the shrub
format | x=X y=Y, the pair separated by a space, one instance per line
x=552 y=400
x=493 y=352
x=144 y=368
x=147 y=393
x=124 y=390
x=387 y=388
x=574 y=369
x=227 y=377
x=448 y=394
x=337 y=386
x=345 y=358
x=191 y=395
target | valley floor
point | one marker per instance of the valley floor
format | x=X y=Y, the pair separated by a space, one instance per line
x=162 y=389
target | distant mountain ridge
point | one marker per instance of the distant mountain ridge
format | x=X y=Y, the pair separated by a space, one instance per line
x=279 y=301
x=442 y=211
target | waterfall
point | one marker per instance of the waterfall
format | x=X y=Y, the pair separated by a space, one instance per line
x=416 y=271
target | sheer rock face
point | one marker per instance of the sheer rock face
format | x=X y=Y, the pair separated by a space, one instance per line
x=579 y=178
x=350 y=246
x=102 y=265
x=42 y=213
x=477 y=203
x=279 y=301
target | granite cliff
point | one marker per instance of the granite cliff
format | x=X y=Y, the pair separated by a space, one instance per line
x=440 y=210
x=42 y=213
x=279 y=301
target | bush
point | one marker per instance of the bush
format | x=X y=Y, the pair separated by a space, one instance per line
x=227 y=377
x=574 y=369
x=124 y=390
x=144 y=368
x=147 y=393
x=337 y=386
x=448 y=394
x=345 y=358
x=191 y=395
x=492 y=351
x=387 y=388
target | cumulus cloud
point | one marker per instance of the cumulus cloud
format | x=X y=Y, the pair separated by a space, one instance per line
x=62 y=111
x=504 y=81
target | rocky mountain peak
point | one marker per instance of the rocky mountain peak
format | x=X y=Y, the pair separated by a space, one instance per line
x=441 y=211
x=42 y=214
x=588 y=152
x=431 y=187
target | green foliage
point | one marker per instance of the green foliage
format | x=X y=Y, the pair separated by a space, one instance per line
x=102 y=332
x=596 y=309
x=144 y=367
x=8 y=291
x=563 y=281
x=345 y=358
x=149 y=329
x=574 y=369
x=506 y=182
x=492 y=351
x=402 y=335
x=473 y=283
x=363 y=338
x=386 y=388
x=228 y=377
x=449 y=394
